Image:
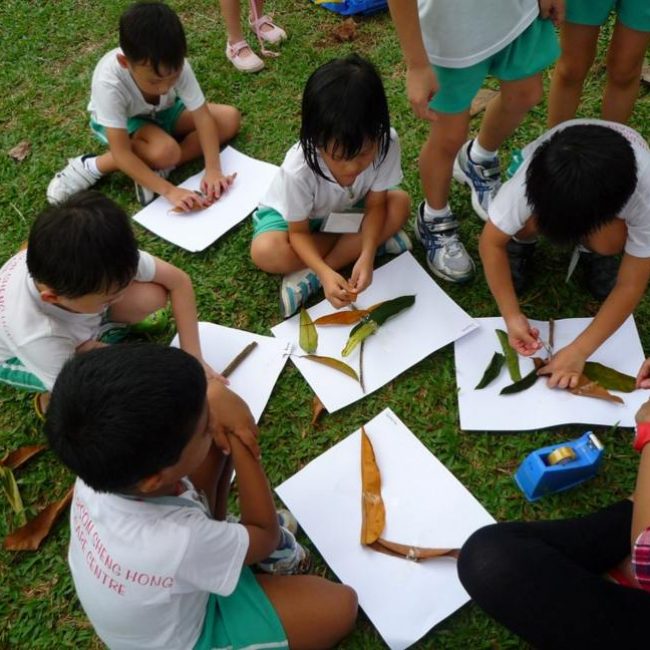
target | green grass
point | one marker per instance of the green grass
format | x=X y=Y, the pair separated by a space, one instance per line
x=49 y=51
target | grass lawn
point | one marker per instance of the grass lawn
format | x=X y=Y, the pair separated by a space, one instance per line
x=49 y=51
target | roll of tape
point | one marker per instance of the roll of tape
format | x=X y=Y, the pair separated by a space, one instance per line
x=561 y=455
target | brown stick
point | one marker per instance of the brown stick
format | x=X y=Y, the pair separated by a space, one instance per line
x=235 y=363
x=551 y=333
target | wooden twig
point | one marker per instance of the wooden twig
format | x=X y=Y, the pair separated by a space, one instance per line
x=234 y=364
x=551 y=333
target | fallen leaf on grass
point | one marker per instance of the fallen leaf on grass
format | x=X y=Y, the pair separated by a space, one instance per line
x=30 y=536
x=10 y=488
x=20 y=151
x=345 y=31
x=17 y=458
x=317 y=408
x=481 y=100
x=333 y=363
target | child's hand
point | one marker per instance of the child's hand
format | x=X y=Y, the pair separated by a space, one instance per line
x=643 y=414
x=361 y=275
x=215 y=183
x=564 y=368
x=185 y=200
x=337 y=290
x=230 y=415
x=521 y=336
x=421 y=85
x=643 y=376
x=210 y=373
x=553 y=9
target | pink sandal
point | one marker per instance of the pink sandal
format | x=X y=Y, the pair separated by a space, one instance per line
x=273 y=36
x=244 y=63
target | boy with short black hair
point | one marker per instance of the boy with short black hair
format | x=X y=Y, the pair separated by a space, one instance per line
x=585 y=183
x=147 y=106
x=82 y=271
x=154 y=563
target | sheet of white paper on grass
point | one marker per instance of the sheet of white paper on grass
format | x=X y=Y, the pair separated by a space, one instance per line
x=195 y=231
x=425 y=506
x=256 y=376
x=402 y=341
x=539 y=406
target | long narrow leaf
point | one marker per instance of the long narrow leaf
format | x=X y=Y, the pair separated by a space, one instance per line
x=342 y=317
x=588 y=388
x=492 y=371
x=333 y=363
x=19 y=457
x=308 y=338
x=609 y=378
x=512 y=360
x=11 y=491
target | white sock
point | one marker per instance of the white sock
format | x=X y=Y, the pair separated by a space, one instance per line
x=90 y=163
x=431 y=213
x=519 y=240
x=480 y=155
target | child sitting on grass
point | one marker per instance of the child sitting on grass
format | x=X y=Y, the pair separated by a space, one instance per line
x=585 y=183
x=81 y=274
x=347 y=160
x=154 y=562
x=147 y=106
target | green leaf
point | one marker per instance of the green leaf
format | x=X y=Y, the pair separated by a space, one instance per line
x=512 y=360
x=522 y=384
x=333 y=363
x=608 y=377
x=308 y=335
x=10 y=488
x=492 y=371
x=358 y=334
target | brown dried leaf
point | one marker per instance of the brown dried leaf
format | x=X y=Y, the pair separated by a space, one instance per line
x=333 y=363
x=17 y=458
x=20 y=151
x=345 y=31
x=317 y=409
x=342 y=317
x=408 y=552
x=373 y=514
x=481 y=100
x=30 y=536
x=588 y=388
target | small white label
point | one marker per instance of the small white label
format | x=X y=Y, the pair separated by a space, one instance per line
x=342 y=222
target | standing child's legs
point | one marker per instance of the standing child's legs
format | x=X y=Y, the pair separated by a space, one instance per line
x=315 y=613
x=624 y=63
x=578 y=44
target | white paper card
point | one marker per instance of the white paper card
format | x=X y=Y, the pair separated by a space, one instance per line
x=256 y=376
x=342 y=222
x=402 y=341
x=539 y=406
x=195 y=231
x=425 y=506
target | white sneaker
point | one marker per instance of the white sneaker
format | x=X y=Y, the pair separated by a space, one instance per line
x=296 y=289
x=144 y=195
x=399 y=243
x=73 y=178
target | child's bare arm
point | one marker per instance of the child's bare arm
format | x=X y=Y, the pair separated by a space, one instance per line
x=256 y=503
x=134 y=167
x=214 y=183
x=641 y=513
x=335 y=286
x=371 y=228
x=566 y=366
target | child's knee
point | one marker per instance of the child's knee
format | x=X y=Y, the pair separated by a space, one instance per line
x=621 y=73
x=349 y=604
x=399 y=207
x=164 y=153
x=228 y=120
x=572 y=71
x=267 y=251
x=524 y=96
x=447 y=141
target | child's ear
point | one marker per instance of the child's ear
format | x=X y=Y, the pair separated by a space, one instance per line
x=122 y=60
x=47 y=295
x=150 y=483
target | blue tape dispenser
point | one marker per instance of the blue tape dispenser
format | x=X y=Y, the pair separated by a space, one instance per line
x=559 y=467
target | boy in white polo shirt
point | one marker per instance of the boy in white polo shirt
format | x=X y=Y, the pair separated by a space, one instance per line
x=147 y=106
x=585 y=183
x=82 y=271
x=154 y=562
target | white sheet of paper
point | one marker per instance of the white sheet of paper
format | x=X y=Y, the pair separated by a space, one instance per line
x=402 y=341
x=539 y=406
x=341 y=222
x=425 y=506
x=195 y=231
x=255 y=378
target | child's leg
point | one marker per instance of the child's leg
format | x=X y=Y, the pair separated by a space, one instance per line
x=624 y=62
x=446 y=136
x=226 y=118
x=231 y=12
x=578 y=44
x=506 y=111
x=314 y=612
x=272 y=252
x=138 y=301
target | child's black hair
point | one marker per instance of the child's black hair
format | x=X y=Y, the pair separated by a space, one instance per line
x=150 y=32
x=344 y=105
x=579 y=180
x=83 y=246
x=124 y=412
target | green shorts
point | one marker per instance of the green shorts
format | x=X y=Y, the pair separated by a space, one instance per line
x=14 y=373
x=245 y=619
x=267 y=219
x=634 y=14
x=531 y=52
x=166 y=120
